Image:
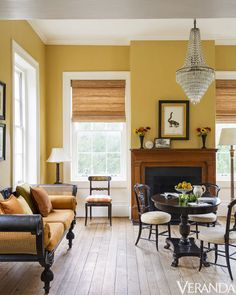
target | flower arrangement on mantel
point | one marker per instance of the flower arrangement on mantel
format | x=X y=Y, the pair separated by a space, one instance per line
x=203 y=132
x=141 y=131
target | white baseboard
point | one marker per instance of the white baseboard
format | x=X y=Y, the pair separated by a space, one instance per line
x=118 y=210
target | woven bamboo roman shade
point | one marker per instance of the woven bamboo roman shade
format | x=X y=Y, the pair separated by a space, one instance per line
x=98 y=100
x=226 y=101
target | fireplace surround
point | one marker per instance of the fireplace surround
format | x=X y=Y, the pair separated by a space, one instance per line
x=153 y=167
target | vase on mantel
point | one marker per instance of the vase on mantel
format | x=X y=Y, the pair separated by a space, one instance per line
x=204 y=136
x=141 y=138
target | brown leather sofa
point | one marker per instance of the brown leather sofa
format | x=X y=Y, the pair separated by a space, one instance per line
x=36 y=238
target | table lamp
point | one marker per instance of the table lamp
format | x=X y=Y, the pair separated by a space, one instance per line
x=228 y=137
x=58 y=156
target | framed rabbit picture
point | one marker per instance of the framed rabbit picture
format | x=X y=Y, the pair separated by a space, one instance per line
x=174 y=119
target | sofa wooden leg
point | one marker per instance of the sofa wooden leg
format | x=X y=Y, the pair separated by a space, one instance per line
x=47 y=274
x=47 y=277
x=70 y=235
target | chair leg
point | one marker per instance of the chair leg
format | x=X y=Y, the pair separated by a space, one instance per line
x=169 y=231
x=201 y=256
x=157 y=236
x=150 y=232
x=196 y=230
x=110 y=213
x=90 y=212
x=216 y=253
x=139 y=232
x=209 y=244
x=228 y=260
x=86 y=214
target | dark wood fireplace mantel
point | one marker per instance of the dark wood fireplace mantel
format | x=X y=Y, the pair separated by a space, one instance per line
x=142 y=158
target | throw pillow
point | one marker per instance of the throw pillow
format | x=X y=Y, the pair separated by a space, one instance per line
x=24 y=205
x=24 y=191
x=11 y=206
x=43 y=202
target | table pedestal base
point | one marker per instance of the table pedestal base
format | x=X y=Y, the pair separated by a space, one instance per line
x=181 y=250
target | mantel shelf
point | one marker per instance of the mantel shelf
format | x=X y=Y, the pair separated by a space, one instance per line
x=173 y=150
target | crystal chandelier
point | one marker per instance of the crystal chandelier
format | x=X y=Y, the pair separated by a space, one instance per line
x=195 y=76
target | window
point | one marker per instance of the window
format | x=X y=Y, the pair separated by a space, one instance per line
x=25 y=118
x=19 y=126
x=223 y=155
x=99 y=149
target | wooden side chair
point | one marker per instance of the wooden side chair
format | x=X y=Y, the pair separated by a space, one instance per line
x=147 y=218
x=99 y=200
x=224 y=236
x=209 y=219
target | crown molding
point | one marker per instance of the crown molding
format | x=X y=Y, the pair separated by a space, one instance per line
x=226 y=42
x=125 y=41
x=38 y=31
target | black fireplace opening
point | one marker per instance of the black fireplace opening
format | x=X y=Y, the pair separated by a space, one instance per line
x=164 y=179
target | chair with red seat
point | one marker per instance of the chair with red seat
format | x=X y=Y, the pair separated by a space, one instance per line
x=99 y=200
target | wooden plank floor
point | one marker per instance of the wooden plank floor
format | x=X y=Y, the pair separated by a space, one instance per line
x=105 y=261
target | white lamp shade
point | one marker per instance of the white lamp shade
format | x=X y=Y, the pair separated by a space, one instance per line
x=228 y=136
x=58 y=155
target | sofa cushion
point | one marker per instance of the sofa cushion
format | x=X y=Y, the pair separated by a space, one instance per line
x=65 y=217
x=24 y=205
x=24 y=191
x=63 y=202
x=43 y=202
x=56 y=234
x=11 y=206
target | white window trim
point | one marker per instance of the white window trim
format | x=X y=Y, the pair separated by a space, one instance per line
x=17 y=49
x=227 y=75
x=67 y=123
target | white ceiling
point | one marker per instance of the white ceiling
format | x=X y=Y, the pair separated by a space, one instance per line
x=119 y=9
x=120 y=32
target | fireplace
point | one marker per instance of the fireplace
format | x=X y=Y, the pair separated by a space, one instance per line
x=164 y=179
x=162 y=169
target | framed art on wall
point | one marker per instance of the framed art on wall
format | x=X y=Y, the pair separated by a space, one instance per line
x=2 y=101
x=2 y=142
x=174 y=119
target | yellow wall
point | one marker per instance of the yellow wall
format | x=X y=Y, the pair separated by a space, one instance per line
x=22 y=33
x=61 y=59
x=153 y=65
x=225 y=58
